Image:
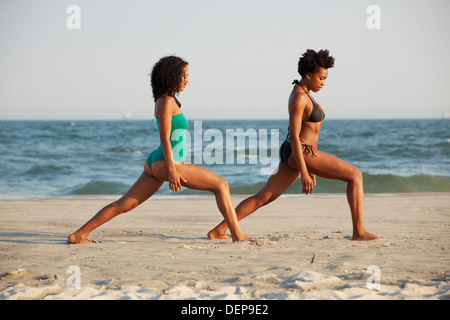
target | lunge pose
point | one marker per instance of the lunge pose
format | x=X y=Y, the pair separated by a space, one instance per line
x=299 y=155
x=169 y=76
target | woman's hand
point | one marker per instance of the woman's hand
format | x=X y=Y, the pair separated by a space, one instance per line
x=175 y=179
x=308 y=183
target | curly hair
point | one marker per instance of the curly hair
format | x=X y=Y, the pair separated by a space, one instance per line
x=311 y=61
x=167 y=75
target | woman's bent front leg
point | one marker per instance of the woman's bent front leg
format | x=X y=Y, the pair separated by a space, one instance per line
x=199 y=178
x=330 y=167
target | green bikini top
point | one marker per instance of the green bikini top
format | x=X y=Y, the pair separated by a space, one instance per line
x=179 y=121
x=178 y=132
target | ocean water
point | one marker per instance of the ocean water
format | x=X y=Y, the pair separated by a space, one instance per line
x=54 y=158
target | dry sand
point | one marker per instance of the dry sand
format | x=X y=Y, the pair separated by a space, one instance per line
x=301 y=249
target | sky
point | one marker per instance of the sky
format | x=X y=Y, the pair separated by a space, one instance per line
x=242 y=57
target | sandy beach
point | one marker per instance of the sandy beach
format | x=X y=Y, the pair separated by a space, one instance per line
x=301 y=249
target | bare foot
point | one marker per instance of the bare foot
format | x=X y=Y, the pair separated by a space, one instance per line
x=76 y=239
x=243 y=237
x=214 y=234
x=365 y=237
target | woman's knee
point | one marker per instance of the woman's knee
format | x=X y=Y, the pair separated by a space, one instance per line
x=356 y=176
x=221 y=185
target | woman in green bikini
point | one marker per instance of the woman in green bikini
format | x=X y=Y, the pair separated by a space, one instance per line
x=169 y=76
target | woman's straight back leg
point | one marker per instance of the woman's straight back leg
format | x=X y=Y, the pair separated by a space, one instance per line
x=142 y=189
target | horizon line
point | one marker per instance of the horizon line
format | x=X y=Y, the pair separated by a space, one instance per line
x=216 y=119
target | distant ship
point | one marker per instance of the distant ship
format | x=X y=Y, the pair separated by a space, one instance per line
x=129 y=117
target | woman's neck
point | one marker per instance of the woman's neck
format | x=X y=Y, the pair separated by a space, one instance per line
x=304 y=83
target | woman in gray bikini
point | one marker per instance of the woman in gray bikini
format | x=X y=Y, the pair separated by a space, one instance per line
x=299 y=154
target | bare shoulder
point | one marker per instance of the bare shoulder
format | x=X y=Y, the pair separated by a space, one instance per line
x=297 y=101
x=165 y=104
